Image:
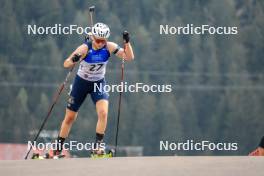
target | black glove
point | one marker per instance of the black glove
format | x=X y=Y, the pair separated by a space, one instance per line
x=126 y=36
x=76 y=57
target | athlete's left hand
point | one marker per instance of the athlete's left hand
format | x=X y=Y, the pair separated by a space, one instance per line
x=126 y=37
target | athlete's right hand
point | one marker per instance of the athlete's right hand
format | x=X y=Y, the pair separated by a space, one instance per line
x=76 y=57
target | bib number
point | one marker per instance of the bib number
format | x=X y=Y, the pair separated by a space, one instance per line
x=95 y=67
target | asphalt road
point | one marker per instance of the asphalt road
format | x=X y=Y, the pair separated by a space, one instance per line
x=128 y=166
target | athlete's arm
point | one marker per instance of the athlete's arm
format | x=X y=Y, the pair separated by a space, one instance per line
x=73 y=58
x=126 y=54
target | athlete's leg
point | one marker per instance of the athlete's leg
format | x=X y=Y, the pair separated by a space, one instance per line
x=100 y=100
x=102 y=111
x=77 y=96
x=70 y=117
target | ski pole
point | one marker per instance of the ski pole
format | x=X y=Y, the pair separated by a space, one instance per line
x=56 y=97
x=91 y=11
x=120 y=102
x=91 y=14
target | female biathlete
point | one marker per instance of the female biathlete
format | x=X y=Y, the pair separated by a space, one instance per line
x=93 y=56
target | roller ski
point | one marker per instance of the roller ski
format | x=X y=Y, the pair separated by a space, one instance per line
x=101 y=152
x=50 y=155
x=105 y=154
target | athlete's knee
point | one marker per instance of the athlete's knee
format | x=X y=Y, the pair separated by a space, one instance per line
x=102 y=114
x=70 y=117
